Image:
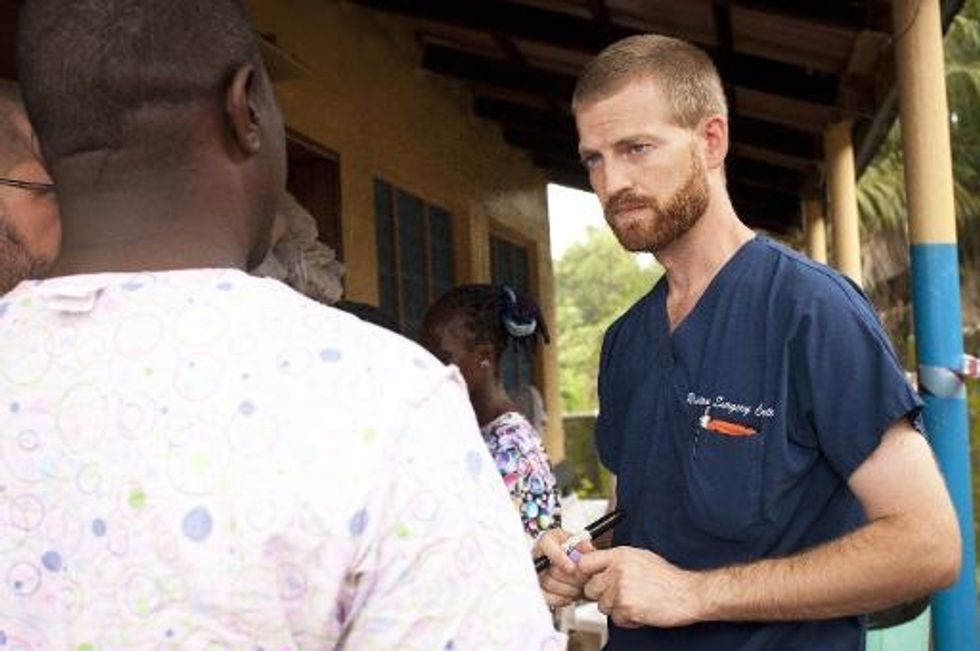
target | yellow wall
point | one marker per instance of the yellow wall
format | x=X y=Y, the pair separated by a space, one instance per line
x=367 y=99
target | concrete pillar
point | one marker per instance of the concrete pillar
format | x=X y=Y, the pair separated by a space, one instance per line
x=936 y=289
x=842 y=184
x=816 y=230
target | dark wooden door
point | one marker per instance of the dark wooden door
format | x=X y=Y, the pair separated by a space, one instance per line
x=8 y=33
x=314 y=179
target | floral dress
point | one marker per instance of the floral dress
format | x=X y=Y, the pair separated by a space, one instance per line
x=524 y=467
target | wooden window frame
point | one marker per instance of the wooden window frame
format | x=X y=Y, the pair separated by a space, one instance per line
x=297 y=143
x=395 y=242
x=529 y=245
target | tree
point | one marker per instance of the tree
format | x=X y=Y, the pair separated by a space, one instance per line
x=596 y=282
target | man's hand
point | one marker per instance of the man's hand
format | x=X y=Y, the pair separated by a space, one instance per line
x=638 y=588
x=561 y=583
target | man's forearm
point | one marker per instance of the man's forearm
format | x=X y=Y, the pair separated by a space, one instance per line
x=872 y=568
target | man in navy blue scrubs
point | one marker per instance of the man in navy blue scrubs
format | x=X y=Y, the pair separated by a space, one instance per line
x=763 y=436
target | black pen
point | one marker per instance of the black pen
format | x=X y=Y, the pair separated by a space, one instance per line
x=591 y=531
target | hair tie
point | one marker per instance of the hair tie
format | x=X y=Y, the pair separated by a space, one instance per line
x=515 y=327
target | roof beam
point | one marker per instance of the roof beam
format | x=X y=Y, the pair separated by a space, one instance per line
x=479 y=69
x=773 y=78
x=812 y=167
x=723 y=59
x=782 y=220
x=507 y=47
x=599 y=10
x=767 y=208
x=767 y=175
x=833 y=13
x=561 y=170
x=582 y=34
x=748 y=131
x=544 y=143
x=521 y=115
x=518 y=21
x=777 y=138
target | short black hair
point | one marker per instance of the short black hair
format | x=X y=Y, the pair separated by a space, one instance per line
x=492 y=314
x=88 y=67
x=369 y=313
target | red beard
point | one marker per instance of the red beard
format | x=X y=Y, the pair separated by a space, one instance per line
x=653 y=227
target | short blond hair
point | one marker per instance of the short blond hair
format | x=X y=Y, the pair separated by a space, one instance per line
x=689 y=79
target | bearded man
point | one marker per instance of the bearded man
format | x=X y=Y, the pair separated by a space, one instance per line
x=766 y=445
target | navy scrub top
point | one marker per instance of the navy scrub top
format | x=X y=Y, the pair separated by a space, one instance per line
x=789 y=354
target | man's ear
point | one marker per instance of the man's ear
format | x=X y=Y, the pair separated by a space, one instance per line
x=714 y=136
x=241 y=109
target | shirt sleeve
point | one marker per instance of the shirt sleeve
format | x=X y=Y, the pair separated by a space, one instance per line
x=847 y=379
x=527 y=474
x=444 y=564
x=607 y=434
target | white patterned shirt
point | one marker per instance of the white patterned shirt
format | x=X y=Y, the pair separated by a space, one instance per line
x=202 y=460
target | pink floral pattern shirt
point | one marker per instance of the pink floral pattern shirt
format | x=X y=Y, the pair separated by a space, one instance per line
x=525 y=469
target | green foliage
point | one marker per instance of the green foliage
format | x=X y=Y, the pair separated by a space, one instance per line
x=881 y=189
x=588 y=477
x=973 y=387
x=596 y=282
x=972 y=345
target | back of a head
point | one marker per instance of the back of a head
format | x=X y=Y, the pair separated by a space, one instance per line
x=493 y=314
x=91 y=70
x=687 y=76
x=369 y=313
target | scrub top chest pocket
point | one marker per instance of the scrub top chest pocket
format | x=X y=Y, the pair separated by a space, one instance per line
x=725 y=459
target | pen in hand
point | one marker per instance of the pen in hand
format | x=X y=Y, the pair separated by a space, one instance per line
x=591 y=531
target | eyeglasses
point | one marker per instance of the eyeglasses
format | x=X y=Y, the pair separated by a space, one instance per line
x=34 y=186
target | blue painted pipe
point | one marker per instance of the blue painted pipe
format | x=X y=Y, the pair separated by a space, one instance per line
x=939 y=348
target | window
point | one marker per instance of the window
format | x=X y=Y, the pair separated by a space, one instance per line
x=509 y=266
x=314 y=180
x=415 y=254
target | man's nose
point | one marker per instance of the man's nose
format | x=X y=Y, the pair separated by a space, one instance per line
x=614 y=179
